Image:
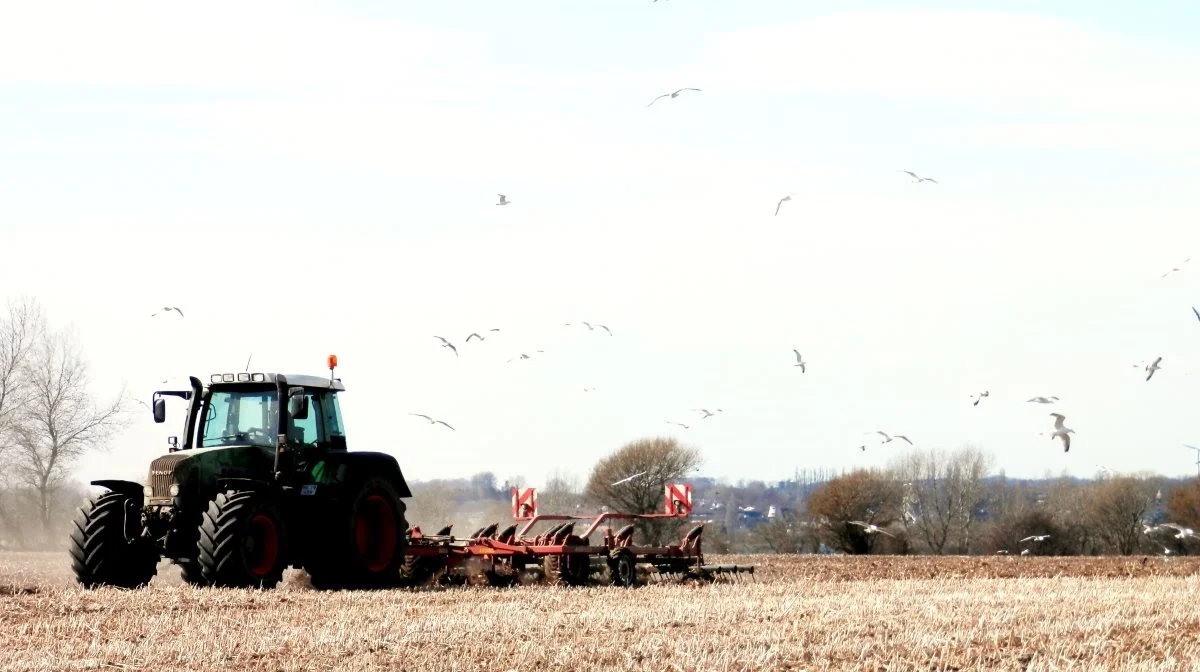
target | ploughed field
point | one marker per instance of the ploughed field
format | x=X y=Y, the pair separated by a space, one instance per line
x=796 y=612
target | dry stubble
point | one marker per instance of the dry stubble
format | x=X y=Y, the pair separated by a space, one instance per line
x=807 y=613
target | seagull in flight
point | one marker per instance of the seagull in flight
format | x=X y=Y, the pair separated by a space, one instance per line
x=629 y=478
x=1061 y=431
x=674 y=94
x=1035 y=537
x=503 y=200
x=800 y=361
x=979 y=397
x=431 y=420
x=1176 y=268
x=1183 y=532
x=1197 y=312
x=447 y=344
x=780 y=203
x=524 y=356
x=1152 y=367
x=707 y=413
x=476 y=335
x=870 y=528
x=1043 y=400
x=918 y=179
x=677 y=423
x=167 y=309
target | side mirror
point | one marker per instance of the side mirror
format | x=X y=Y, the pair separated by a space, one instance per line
x=160 y=410
x=297 y=404
x=337 y=442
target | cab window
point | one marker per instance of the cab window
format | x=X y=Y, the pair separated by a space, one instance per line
x=307 y=432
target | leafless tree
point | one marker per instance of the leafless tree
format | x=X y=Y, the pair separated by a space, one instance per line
x=20 y=327
x=59 y=420
x=1116 y=509
x=561 y=494
x=941 y=489
x=663 y=460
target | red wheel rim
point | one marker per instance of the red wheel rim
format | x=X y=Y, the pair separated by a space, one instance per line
x=375 y=533
x=264 y=545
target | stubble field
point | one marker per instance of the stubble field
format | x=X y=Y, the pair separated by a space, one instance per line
x=797 y=613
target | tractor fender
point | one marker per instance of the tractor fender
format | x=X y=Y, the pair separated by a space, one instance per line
x=127 y=488
x=224 y=484
x=360 y=464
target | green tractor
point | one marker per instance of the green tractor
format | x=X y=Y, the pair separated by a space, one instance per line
x=262 y=481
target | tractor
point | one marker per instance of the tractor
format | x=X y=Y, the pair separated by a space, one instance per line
x=262 y=480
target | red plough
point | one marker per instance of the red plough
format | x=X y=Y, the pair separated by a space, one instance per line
x=559 y=553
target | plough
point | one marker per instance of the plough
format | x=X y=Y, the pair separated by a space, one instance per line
x=563 y=553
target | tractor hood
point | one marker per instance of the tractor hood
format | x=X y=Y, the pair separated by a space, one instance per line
x=196 y=471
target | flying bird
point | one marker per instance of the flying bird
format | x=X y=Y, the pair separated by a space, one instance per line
x=707 y=413
x=979 y=397
x=677 y=423
x=1176 y=268
x=901 y=436
x=886 y=437
x=503 y=200
x=167 y=309
x=918 y=179
x=1183 y=532
x=780 y=203
x=1152 y=367
x=674 y=94
x=1043 y=400
x=1061 y=431
x=447 y=344
x=1035 y=537
x=800 y=362
x=431 y=420
x=870 y=528
x=629 y=478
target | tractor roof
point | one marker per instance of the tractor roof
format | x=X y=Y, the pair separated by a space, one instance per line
x=293 y=379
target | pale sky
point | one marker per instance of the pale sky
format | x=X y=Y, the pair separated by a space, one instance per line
x=322 y=178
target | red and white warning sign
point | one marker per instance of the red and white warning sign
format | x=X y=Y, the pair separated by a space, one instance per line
x=679 y=499
x=524 y=503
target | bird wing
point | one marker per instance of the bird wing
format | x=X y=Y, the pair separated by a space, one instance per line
x=860 y=524
x=1025 y=539
x=686 y=88
x=777 y=206
x=605 y=328
x=798 y=359
x=1066 y=439
x=901 y=436
x=802 y=368
x=1197 y=312
x=656 y=99
x=468 y=340
x=915 y=177
x=440 y=422
x=587 y=324
x=1156 y=362
x=930 y=179
x=451 y=346
x=882 y=433
x=422 y=415
x=1058 y=420
x=883 y=531
x=442 y=340
x=178 y=311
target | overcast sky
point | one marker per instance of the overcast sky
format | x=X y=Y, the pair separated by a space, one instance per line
x=306 y=181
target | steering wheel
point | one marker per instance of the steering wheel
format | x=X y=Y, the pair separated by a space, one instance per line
x=256 y=433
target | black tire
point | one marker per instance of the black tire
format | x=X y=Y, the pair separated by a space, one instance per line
x=106 y=544
x=569 y=569
x=189 y=569
x=622 y=568
x=365 y=546
x=419 y=571
x=243 y=543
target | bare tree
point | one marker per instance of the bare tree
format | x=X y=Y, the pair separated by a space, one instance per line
x=941 y=490
x=863 y=496
x=1116 y=511
x=561 y=494
x=659 y=461
x=59 y=420
x=19 y=329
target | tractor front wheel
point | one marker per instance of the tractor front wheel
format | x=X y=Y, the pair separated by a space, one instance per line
x=568 y=569
x=243 y=543
x=107 y=547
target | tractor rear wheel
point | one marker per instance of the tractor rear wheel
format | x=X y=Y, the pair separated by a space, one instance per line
x=366 y=548
x=568 y=569
x=243 y=543
x=107 y=547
